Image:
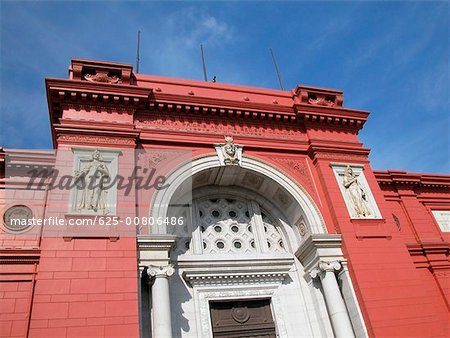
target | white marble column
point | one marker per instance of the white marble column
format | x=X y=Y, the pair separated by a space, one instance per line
x=337 y=310
x=159 y=278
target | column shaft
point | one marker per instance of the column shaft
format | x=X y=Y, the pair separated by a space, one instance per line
x=336 y=307
x=161 y=323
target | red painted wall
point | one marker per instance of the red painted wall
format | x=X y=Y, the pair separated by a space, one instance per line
x=88 y=286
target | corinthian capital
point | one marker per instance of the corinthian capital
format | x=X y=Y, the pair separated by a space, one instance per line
x=165 y=271
x=324 y=267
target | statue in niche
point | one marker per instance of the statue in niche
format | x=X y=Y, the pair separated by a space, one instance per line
x=91 y=181
x=229 y=151
x=358 y=196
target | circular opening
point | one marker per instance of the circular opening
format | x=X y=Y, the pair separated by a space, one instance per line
x=265 y=229
x=215 y=213
x=247 y=214
x=235 y=228
x=237 y=244
x=17 y=217
x=220 y=244
x=232 y=214
x=268 y=244
x=186 y=245
x=249 y=228
x=218 y=228
x=252 y=243
x=204 y=245
x=201 y=213
x=281 y=244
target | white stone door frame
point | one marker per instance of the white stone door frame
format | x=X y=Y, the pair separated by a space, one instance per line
x=203 y=295
x=227 y=279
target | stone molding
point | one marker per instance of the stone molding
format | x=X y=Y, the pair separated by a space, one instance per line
x=155 y=242
x=260 y=269
x=318 y=248
x=154 y=250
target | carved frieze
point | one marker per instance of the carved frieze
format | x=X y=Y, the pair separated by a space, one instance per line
x=221 y=126
x=91 y=139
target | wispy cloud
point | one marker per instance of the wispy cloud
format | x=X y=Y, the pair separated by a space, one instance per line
x=177 y=52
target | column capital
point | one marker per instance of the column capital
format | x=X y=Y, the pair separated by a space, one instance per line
x=165 y=271
x=325 y=266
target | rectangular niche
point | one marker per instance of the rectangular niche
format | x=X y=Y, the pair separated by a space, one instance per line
x=356 y=191
x=91 y=197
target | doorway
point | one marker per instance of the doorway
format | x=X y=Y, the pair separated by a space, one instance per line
x=242 y=318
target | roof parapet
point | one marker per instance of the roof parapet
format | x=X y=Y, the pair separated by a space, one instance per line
x=318 y=96
x=101 y=71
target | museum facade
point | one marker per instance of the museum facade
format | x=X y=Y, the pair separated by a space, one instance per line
x=181 y=208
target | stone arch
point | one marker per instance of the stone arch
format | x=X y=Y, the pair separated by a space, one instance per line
x=302 y=208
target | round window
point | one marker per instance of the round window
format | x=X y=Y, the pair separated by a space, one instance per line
x=18 y=218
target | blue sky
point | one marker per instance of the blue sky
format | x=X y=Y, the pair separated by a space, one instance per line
x=390 y=58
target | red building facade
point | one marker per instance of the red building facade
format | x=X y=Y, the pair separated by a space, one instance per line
x=351 y=250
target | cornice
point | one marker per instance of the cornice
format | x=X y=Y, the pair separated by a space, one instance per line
x=397 y=177
x=110 y=86
x=89 y=134
x=319 y=247
x=155 y=242
x=431 y=255
x=331 y=115
x=346 y=151
x=19 y=255
x=78 y=86
x=245 y=270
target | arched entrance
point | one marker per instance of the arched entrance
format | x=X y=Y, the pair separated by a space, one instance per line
x=245 y=227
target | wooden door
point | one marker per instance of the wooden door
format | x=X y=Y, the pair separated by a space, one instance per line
x=242 y=318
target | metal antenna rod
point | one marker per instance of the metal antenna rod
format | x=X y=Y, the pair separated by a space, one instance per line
x=137 y=51
x=276 y=68
x=203 y=63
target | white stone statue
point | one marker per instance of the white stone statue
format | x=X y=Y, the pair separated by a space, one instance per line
x=358 y=197
x=229 y=153
x=91 y=182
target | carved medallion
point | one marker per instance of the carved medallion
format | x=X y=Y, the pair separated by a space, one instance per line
x=240 y=313
x=16 y=218
x=102 y=77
